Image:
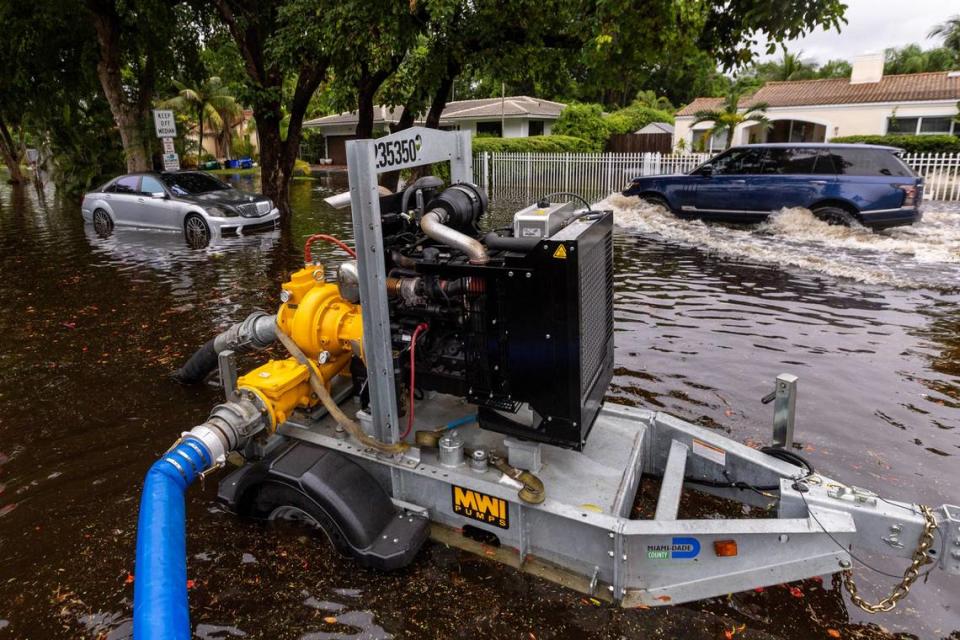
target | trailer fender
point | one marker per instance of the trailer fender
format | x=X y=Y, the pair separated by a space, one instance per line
x=328 y=490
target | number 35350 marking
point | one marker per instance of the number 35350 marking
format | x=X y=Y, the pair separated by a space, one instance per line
x=394 y=152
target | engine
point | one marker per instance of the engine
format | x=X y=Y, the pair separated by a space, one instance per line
x=518 y=321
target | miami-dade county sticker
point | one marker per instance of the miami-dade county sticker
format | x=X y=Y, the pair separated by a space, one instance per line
x=680 y=548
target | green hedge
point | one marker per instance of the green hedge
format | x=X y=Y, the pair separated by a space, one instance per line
x=535 y=144
x=910 y=144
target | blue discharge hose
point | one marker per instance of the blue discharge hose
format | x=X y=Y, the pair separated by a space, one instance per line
x=160 y=608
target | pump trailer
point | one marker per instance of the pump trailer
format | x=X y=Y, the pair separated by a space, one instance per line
x=435 y=326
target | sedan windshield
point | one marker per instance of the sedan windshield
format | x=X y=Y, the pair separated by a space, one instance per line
x=186 y=184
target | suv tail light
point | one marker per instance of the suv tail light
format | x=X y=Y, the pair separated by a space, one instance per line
x=909 y=194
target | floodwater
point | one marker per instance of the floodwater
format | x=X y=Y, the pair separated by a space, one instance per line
x=706 y=317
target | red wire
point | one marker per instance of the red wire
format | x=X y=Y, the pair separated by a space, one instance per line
x=308 y=255
x=423 y=326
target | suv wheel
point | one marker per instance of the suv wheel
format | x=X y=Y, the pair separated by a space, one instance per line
x=196 y=231
x=835 y=216
x=656 y=201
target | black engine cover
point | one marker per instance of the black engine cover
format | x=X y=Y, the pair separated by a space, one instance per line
x=546 y=337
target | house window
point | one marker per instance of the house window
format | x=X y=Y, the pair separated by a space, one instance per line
x=902 y=125
x=920 y=125
x=536 y=128
x=936 y=125
x=489 y=129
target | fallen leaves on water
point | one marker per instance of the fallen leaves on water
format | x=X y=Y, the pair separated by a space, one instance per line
x=796 y=592
x=833 y=633
x=330 y=620
x=129 y=579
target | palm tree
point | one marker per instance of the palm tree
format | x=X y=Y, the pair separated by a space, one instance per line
x=649 y=98
x=729 y=116
x=211 y=101
x=949 y=31
x=792 y=66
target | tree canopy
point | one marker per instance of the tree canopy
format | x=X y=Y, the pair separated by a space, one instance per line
x=114 y=60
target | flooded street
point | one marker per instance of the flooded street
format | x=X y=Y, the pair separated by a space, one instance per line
x=706 y=317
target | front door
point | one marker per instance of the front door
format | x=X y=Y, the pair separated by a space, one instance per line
x=728 y=193
x=156 y=212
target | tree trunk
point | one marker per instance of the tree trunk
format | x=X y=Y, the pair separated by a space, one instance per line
x=277 y=156
x=365 y=114
x=200 y=124
x=12 y=154
x=128 y=117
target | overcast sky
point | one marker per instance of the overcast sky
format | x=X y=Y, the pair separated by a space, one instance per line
x=874 y=25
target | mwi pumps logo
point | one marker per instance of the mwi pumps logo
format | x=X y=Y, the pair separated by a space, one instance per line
x=481 y=507
x=679 y=549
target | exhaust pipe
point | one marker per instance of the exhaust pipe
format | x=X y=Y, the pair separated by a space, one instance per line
x=433 y=223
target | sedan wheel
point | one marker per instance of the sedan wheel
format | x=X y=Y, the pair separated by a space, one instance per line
x=102 y=222
x=196 y=231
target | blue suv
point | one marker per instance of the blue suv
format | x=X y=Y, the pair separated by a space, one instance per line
x=840 y=183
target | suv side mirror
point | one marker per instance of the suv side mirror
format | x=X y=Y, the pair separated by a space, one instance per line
x=158 y=195
x=706 y=171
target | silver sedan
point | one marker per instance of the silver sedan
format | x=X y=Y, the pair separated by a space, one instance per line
x=194 y=202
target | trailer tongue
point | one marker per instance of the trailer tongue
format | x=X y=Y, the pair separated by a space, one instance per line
x=450 y=384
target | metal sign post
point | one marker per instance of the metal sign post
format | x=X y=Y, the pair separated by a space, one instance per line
x=366 y=159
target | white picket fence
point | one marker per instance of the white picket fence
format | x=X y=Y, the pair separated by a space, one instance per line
x=523 y=177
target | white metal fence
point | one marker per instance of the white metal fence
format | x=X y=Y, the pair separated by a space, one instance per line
x=941 y=173
x=526 y=176
x=523 y=177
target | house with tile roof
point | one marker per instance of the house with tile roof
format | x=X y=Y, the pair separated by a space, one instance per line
x=866 y=103
x=509 y=117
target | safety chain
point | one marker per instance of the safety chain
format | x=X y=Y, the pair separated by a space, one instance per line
x=910 y=575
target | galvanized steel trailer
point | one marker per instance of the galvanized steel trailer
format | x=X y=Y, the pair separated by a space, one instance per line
x=582 y=535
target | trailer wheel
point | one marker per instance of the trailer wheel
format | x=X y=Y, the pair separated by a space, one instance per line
x=275 y=502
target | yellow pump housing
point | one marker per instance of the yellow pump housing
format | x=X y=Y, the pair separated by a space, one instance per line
x=327 y=328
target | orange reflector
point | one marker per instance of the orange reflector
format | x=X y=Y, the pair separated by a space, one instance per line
x=725 y=548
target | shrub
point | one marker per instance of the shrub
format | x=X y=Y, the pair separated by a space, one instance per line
x=910 y=144
x=301 y=168
x=635 y=117
x=241 y=147
x=533 y=144
x=584 y=121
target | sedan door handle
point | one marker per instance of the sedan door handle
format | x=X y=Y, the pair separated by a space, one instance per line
x=818 y=182
x=738 y=182
x=139 y=199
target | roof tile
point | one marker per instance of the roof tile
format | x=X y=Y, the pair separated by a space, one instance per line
x=912 y=87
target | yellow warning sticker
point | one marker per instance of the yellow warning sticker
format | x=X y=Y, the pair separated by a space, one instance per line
x=561 y=252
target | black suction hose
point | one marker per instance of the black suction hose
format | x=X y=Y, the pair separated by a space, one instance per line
x=199 y=366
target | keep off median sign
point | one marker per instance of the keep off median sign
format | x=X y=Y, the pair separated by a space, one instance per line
x=164 y=123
